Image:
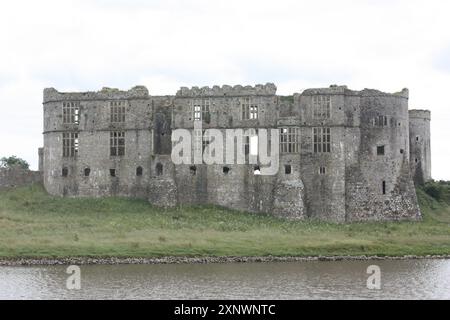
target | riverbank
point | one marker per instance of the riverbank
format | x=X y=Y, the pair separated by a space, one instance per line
x=80 y=261
x=38 y=228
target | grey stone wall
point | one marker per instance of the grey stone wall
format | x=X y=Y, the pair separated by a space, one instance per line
x=350 y=190
x=365 y=178
x=420 y=145
x=17 y=177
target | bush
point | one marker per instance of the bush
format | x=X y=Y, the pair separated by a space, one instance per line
x=438 y=190
x=14 y=161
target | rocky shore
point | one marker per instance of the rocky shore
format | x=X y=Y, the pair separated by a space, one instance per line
x=196 y=260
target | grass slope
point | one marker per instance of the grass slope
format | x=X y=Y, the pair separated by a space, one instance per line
x=34 y=224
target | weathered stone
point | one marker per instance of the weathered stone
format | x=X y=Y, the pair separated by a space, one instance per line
x=18 y=177
x=352 y=182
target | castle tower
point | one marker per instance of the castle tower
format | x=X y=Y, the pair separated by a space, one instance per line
x=420 y=149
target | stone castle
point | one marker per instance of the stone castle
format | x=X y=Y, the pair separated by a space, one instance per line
x=345 y=155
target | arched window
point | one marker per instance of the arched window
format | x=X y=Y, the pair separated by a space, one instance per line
x=65 y=172
x=87 y=172
x=193 y=170
x=159 y=169
x=139 y=171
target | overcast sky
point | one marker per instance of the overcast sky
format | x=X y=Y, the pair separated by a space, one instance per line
x=88 y=44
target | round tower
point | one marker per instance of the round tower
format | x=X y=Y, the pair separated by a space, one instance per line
x=420 y=148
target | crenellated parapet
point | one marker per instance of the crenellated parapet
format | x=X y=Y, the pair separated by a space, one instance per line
x=138 y=92
x=268 y=89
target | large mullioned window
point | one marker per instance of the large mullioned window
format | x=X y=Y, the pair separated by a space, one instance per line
x=249 y=108
x=321 y=107
x=380 y=121
x=322 y=140
x=71 y=113
x=289 y=140
x=70 y=144
x=118 y=109
x=117 y=143
x=201 y=109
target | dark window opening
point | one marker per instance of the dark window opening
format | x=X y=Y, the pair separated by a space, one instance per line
x=70 y=144
x=322 y=140
x=139 y=171
x=322 y=107
x=117 y=143
x=226 y=170
x=380 y=121
x=288 y=169
x=322 y=171
x=417 y=138
x=71 y=113
x=112 y=172
x=87 y=172
x=380 y=150
x=402 y=151
x=384 y=187
x=202 y=110
x=118 y=110
x=249 y=108
x=257 y=170
x=193 y=170
x=417 y=160
x=65 y=172
x=289 y=140
x=159 y=169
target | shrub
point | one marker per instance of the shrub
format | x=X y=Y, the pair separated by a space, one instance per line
x=14 y=161
x=438 y=190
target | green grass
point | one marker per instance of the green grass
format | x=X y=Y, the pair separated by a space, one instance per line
x=34 y=224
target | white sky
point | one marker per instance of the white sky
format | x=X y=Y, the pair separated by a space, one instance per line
x=88 y=44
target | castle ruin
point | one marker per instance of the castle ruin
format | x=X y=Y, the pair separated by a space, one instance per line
x=345 y=155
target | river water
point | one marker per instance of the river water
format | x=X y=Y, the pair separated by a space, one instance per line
x=402 y=279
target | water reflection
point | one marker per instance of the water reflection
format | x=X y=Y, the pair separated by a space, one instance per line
x=412 y=279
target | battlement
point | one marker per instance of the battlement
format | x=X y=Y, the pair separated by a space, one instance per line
x=268 y=89
x=420 y=114
x=137 y=92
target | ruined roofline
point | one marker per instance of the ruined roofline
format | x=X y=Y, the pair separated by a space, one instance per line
x=269 y=89
x=420 y=114
x=137 y=92
x=343 y=90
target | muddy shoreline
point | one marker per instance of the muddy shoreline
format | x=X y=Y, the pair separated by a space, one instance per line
x=196 y=260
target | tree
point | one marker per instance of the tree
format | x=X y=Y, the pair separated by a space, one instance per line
x=14 y=161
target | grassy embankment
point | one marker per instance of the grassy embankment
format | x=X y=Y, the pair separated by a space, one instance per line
x=34 y=224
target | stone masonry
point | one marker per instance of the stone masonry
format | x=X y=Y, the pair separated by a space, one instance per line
x=345 y=155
